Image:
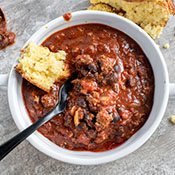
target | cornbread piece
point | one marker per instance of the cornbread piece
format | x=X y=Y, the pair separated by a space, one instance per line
x=151 y=15
x=166 y=46
x=40 y=66
x=172 y=119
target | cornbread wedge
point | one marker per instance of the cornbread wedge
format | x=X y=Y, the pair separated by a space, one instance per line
x=151 y=15
x=40 y=66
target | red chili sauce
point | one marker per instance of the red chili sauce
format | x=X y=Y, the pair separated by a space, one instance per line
x=67 y=16
x=111 y=98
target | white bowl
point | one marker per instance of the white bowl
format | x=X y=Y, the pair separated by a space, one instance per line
x=155 y=57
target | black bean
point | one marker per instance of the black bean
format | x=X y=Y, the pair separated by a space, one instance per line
x=92 y=67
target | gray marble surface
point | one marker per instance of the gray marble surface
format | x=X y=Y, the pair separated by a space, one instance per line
x=156 y=156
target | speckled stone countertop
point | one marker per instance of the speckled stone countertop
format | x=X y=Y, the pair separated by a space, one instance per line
x=156 y=156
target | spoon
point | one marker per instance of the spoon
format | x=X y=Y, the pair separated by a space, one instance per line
x=8 y=146
x=3 y=20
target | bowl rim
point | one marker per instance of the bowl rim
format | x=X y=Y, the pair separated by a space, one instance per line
x=90 y=160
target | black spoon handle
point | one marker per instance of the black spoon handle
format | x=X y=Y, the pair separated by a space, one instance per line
x=16 y=140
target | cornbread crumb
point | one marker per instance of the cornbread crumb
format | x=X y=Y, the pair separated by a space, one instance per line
x=40 y=66
x=166 y=46
x=172 y=119
x=102 y=7
x=151 y=15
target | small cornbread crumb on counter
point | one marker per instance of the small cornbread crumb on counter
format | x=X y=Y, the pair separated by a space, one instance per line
x=40 y=66
x=151 y=15
x=166 y=46
x=172 y=119
x=158 y=45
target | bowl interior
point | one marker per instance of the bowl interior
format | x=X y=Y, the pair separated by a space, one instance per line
x=155 y=57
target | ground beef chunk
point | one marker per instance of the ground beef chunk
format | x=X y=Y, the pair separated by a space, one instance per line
x=108 y=75
x=68 y=121
x=89 y=117
x=50 y=99
x=103 y=119
x=84 y=86
x=92 y=133
x=108 y=98
x=106 y=64
x=84 y=139
x=84 y=64
x=92 y=103
x=102 y=136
